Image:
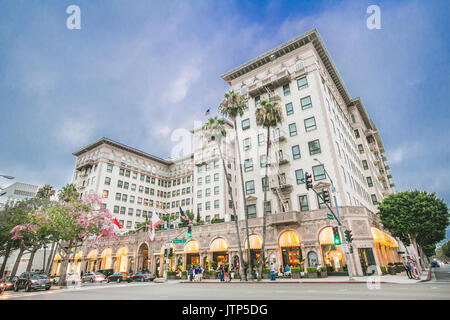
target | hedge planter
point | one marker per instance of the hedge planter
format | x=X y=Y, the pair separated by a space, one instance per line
x=312 y=275
x=296 y=275
x=172 y=277
x=323 y=274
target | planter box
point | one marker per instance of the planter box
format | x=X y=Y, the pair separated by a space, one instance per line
x=312 y=275
x=266 y=275
x=296 y=275
x=172 y=277
x=323 y=274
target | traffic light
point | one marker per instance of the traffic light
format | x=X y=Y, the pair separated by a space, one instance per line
x=326 y=195
x=337 y=238
x=170 y=252
x=189 y=231
x=308 y=180
x=348 y=236
x=165 y=253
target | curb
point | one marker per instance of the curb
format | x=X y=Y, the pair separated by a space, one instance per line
x=295 y=282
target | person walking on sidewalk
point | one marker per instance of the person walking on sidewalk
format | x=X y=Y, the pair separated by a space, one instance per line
x=272 y=272
x=191 y=273
x=407 y=269
x=414 y=271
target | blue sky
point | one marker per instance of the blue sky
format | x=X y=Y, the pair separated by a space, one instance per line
x=138 y=70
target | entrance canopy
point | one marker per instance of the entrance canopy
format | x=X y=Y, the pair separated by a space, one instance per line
x=383 y=238
x=92 y=254
x=122 y=251
x=326 y=236
x=289 y=239
x=255 y=242
x=106 y=252
x=192 y=247
x=219 y=244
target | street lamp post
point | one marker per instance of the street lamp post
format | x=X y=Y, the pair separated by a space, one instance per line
x=344 y=242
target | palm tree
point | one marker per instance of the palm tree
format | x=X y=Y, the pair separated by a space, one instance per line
x=268 y=115
x=232 y=106
x=214 y=130
x=45 y=192
x=68 y=193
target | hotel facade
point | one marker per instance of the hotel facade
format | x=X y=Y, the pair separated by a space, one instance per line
x=324 y=132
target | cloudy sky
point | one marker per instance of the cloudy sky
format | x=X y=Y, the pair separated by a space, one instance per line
x=138 y=70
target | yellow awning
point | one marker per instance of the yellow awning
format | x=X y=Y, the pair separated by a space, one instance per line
x=326 y=236
x=92 y=254
x=106 y=253
x=392 y=242
x=122 y=251
x=192 y=247
x=220 y=244
x=377 y=236
x=255 y=242
x=289 y=239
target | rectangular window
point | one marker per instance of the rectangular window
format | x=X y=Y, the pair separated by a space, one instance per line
x=303 y=201
x=353 y=118
x=216 y=177
x=261 y=139
x=289 y=109
x=207 y=205
x=374 y=199
x=250 y=187
x=365 y=166
x=263 y=161
x=286 y=90
x=369 y=181
x=109 y=168
x=247 y=144
x=306 y=102
x=199 y=193
x=216 y=191
x=130 y=211
x=314 y=147
x=116 y=209
x=119 y=183
x=127 y=173
x=207 y=179
x=248 y=165
x=107 y=181
x=121 y=172
x=124 y=197
x=360 y=148
x=292 y=129
x=268 y=207
x=118 y=196
x=207 y=192
x=122 y=210
x=131 y=199
x=216 y=204
x=319 y=172
x=245 y=124
x=199 y=181
x=356 y=133
x=251 y=211
x=126 y=185
x=300 y=176
x=208 y=218
x=310 y=124
x=257 y=101
x=296 y=152
x=302 y=83
x=265 y=184
x=320 y=201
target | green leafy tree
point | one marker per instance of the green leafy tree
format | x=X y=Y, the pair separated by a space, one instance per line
x=416 y=217
x=232 y=106
x=268 y=115
x=46 y=192
x=214 y=130
x=68 y=193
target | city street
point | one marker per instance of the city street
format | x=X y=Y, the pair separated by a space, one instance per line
x=174 y=290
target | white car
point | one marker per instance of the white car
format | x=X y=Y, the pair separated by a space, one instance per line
x=73 y=277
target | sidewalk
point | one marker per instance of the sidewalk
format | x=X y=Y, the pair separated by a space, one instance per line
x=398 y=279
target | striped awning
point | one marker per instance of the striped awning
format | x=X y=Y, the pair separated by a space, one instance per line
x=192 y=247
x=219 y=244
x=289 y=239
x=255 y=242
x=92 y=254
x=122 y=251
x=106 y=252
x=326 y=236
x=383 y=238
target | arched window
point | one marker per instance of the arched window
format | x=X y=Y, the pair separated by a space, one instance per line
x=299 y=65
x=111 y=155
x=243 y=89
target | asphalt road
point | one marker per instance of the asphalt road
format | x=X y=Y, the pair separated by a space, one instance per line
x=442 y=274
x=434 y=290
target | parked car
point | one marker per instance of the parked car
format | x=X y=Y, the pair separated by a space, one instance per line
x=435 y=264
x=8 y=282
x=106 y=272
x=118 y=277
x=93 y=277
x=142 y=276
x=73 y=277
x=32 y=281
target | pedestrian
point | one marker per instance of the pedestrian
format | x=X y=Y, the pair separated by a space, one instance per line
x=407 y=269
x=200 y=275
x=191 y=273
x=231 y=273
x=222 y=273
x=272 y=271
x=196 y=270
x=415 y=272
x=227 y=274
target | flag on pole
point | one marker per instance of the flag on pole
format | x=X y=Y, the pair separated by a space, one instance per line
x=207 y=112
x=154 y=222
x=183 y=216
x=118 y=228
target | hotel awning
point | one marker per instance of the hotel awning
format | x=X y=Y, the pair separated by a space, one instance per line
x=192 y=247
x=219 y=244
x=255 y=242
x=289 y=239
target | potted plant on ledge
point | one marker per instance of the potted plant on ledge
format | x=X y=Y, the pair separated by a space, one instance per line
x=323 y=272
x=312 y=272
x=383 y=270
x=295 y=273
x=171 y=275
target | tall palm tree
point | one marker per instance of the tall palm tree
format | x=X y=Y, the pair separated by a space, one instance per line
x=68 y=193
x=231 y=106
x=268 y=115
x=214 y=130
x=45 y=192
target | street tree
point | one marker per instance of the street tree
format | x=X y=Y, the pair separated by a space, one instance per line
x=268 y=115
x=232 y=106
x=214 y=131
x=416 y=217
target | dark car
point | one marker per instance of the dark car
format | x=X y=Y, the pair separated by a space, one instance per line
x=32 y=281
x=106 y=272
x=118 y=277
x=142 y=276
x=435 y=264
x=9 y=282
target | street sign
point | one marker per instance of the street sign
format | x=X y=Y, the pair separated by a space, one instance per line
x=179 y=241
x=330 y=216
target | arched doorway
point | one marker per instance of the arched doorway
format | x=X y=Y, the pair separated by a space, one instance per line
x=76 y=266
x=333 y=256
x=255 y=248
x=57 y=265
x=219 y=251
x=122 y=259
x=91 y=261
x=192 y=252
x=290 y=247
x=106 y=260
x=143 y=258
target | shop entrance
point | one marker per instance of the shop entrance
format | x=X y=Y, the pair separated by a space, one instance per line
x=367 y=259
x=220 y=257
x=291 y=256
x=192 y=259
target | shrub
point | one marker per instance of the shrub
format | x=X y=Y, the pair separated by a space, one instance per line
x=323 y=269
x=266 y=270
x=295 y=270
x=311 y=269
x=171 y=273
x=211 y=272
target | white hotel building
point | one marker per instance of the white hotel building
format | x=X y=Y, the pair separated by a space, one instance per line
x=323 y=128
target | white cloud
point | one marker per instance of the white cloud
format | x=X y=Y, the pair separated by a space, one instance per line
x=182 y=83
x=76 y=132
